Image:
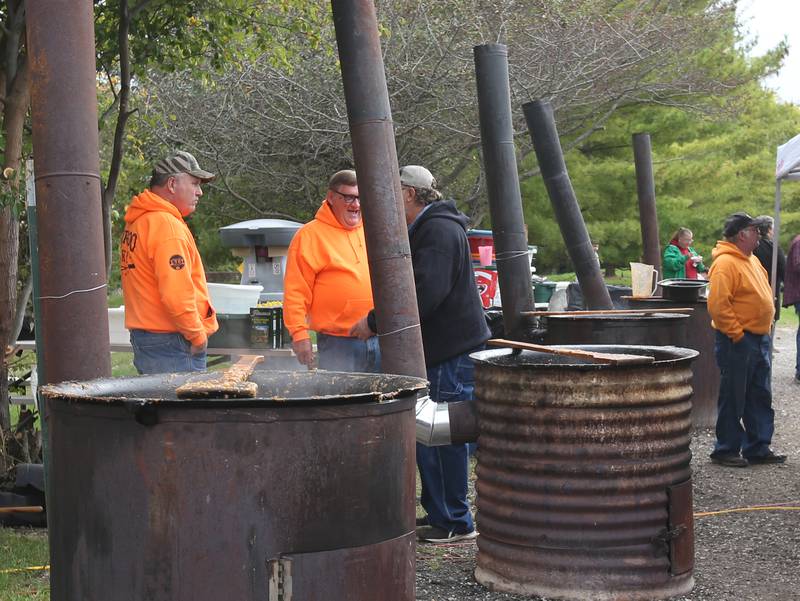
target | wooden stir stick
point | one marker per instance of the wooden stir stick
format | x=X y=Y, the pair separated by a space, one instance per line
x=592 y=356
x=231 y=383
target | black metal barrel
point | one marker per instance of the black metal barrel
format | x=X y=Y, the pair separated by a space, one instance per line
x=700 y=337
x=662 y=329
x=306 y=492
x=584 y=480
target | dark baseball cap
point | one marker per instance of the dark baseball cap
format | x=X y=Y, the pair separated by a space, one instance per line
x=738 y=221
x=181 y=161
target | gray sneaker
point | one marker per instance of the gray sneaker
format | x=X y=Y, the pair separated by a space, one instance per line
x=432 y=534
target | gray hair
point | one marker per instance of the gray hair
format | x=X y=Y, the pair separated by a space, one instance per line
x=766 y=226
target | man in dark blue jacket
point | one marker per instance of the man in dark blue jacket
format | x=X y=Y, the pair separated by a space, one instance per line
x=453 y=326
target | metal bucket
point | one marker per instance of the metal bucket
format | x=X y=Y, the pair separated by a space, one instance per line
x=306 y=492
x=584 y=483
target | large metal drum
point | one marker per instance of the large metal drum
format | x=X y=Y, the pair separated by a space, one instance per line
x=584 y=481
x=306 y=492
x=668 y=329
x=700 y=337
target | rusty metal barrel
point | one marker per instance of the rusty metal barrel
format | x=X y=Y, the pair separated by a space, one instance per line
x=305 y=492
x=584 y=481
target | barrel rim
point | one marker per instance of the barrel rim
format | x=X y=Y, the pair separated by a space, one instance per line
x=670 y=354
x=623 y=317
x=122 y=391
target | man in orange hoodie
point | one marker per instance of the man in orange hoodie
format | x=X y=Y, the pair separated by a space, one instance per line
x=741 y=307
x=167 y=307
x=327 y=287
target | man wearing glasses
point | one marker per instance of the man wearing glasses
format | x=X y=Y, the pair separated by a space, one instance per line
x=327 y=287
x=741 y=307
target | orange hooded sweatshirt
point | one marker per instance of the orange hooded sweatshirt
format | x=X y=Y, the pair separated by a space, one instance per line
x=326 y=287
x=163 y=281
x=739 y=295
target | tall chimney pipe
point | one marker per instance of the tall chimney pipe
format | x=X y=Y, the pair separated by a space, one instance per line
x=74 y=307
x=375 y=155
x=502 y=183
x=646 y=190
x=542 y=127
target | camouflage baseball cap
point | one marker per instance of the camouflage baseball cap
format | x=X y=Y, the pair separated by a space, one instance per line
x=181 y=161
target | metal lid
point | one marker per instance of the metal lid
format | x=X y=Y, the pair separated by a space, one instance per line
x=259 y=232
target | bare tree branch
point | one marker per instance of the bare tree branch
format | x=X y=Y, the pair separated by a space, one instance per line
x=262 y=124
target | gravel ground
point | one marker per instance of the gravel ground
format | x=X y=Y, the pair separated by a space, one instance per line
x=751 y=555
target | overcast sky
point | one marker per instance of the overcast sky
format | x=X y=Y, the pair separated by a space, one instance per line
x=770 y=21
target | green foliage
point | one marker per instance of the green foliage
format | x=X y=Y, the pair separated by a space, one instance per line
x=191 y=39
x=202 y=35
x=704 y=169
x=707 y=163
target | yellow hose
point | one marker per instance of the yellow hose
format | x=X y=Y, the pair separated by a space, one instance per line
x=29 y=569
x=702 y=514
x=699 y=514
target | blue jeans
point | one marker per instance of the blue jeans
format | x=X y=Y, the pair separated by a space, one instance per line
x=444 y=471
x=745 y=395
x=341 y=353
x=161 y=353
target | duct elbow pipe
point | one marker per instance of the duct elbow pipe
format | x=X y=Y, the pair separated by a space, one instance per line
x=463 y=421
x=445 y=423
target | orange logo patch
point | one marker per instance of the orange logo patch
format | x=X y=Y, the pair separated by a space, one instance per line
x=177 y=262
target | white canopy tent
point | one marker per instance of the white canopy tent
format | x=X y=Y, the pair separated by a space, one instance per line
x=787 y=168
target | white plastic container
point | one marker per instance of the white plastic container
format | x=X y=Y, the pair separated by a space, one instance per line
x=116 y=326
x=234 y=299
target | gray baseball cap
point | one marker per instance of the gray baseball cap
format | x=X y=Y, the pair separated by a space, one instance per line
x=181 y=161
x=416 y=176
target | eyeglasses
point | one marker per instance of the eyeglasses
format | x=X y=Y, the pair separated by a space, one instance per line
x=348 y=198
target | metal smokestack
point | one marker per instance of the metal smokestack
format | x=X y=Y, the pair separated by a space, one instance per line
x=502 y=184
x=375 y=155
x=74 y=306
x=646 y=190
x=542 y=127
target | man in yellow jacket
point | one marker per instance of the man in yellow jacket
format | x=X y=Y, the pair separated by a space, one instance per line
x=167 y=306
x=327 y=287
x=741 y=307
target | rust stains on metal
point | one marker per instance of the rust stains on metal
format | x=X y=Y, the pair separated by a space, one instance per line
x=574 y=467
x=74 y=334
x=200 y=503
x=375 y=156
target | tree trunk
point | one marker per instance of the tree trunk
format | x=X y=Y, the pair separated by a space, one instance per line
x=16 y=108
x=118 y=150
x=9 y=248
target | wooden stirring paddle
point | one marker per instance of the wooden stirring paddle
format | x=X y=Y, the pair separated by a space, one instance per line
x=591 y=356
x=231 y=383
